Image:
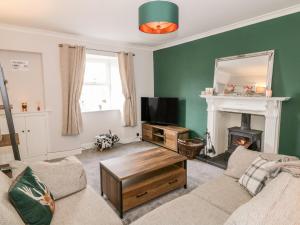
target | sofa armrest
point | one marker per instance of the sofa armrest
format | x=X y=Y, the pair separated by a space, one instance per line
x=63 y=177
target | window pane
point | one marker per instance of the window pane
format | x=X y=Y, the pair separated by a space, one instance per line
x=95 y=72
x=102 y=88
x=95 y=98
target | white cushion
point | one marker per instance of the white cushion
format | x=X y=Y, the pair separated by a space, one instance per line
x=63 y=178
x=84 y=208
x=254 y=178
x=277 y=204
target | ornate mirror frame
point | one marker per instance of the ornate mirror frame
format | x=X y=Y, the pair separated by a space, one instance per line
x=269 y=53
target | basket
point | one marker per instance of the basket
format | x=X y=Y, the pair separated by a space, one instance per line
x=190 y=147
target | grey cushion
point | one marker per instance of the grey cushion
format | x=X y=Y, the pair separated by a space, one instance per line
x=84 y=208
x=186 y=210
x=242 y=158
x=223 y=192
x=63 y=177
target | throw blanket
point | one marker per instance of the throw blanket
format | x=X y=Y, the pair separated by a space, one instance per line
x=277 y=204
x=292 y=167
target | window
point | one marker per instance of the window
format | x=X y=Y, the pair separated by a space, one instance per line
x=102 y=88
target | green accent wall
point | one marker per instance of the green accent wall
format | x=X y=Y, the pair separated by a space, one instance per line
x=185 y=70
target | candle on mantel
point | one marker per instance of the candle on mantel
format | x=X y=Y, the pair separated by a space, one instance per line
x=260 y=90
x=269 y=93
x=24 y=106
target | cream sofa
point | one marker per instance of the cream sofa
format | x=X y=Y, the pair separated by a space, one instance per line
x=221 y=201
x=224 y=201
x=76 y=203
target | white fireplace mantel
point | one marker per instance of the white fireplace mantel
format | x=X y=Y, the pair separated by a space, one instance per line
x=270 y=108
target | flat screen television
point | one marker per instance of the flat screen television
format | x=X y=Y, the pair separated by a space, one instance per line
x=159 y=110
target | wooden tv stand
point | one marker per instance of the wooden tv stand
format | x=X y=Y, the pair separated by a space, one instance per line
x=165 y=136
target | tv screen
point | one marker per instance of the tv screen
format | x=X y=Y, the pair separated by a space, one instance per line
x=160 y=110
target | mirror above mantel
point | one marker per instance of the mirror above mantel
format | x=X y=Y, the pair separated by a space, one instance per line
x=244 y=75
x=241 y=84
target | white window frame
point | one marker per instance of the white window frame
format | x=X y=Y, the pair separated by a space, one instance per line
x=108 y=65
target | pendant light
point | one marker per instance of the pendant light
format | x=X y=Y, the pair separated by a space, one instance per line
x=158 y=17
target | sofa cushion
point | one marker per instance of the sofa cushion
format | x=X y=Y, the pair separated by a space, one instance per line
x=255 y=177
x=63 y=177
x=278 y=203
x=5 y=182
x=239 y=161
x=242 y=158
x=188 y=209
x=84 y=208
x=8 y=214
x=223 y=192
x=32 y=199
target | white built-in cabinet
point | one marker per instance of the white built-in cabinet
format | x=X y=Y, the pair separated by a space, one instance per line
x=33 y=134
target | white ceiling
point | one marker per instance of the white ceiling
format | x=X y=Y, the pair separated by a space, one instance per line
x=118 y=19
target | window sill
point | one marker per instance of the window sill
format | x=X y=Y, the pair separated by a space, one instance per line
x=96 y=111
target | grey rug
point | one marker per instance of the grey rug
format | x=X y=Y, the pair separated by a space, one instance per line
x=198 y=173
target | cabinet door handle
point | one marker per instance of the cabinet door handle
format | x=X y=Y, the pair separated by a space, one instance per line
x=173 y=181
x=23 y=131
x=141 y=195
x=28 y=130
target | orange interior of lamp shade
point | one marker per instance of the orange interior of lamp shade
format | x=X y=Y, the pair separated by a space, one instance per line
x=158 y=27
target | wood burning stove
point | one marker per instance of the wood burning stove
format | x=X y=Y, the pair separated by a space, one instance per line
x=244 y=136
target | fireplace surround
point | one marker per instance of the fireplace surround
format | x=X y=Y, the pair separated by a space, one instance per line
x=265 y=141
x=269 y=108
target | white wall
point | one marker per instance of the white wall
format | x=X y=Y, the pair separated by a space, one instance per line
x=24 y=85
x=95 y=122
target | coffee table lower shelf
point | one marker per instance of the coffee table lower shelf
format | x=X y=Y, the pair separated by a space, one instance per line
x=129 y=193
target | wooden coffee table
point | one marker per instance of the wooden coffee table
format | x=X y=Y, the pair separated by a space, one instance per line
x=134 y=179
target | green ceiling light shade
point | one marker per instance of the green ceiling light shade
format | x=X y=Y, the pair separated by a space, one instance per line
x=158 y=17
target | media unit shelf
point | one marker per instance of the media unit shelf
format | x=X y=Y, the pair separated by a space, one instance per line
x=165 y=136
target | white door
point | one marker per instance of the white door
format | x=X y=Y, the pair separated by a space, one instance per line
x=20 y=129
x=36 y=135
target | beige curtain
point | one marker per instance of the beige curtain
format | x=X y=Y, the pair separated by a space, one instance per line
x=72 y=64
x=128 y=89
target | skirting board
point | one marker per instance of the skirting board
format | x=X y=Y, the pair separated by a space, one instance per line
x=129 y=140
x=87 y=146
x=90 y=145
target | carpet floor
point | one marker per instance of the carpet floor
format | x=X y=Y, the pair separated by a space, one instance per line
x=198 y=173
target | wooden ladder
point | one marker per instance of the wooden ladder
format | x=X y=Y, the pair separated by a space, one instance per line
x=12 y=138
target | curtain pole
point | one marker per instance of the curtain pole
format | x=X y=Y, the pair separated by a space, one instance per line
x=93 y=49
